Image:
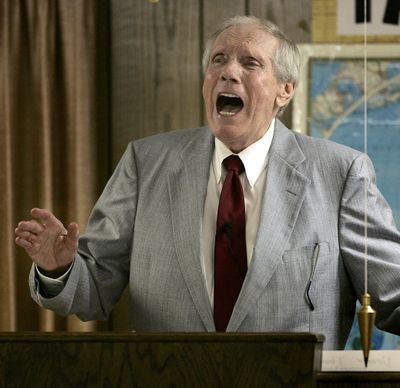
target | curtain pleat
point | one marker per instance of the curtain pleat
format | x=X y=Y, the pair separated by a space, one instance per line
x=54 y=132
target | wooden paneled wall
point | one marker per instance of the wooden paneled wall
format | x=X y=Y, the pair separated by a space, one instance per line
x=156 y=65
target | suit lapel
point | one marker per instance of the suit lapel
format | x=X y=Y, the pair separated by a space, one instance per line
x=283 y=197
x=187 y=191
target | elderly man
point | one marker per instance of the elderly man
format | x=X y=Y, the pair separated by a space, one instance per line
x=242 y=226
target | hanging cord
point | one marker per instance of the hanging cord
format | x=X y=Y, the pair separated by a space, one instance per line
x=366 y=154
x=366 y=315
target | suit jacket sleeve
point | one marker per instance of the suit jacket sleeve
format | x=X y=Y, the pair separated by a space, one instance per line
x=101 y=268
x=383 y=243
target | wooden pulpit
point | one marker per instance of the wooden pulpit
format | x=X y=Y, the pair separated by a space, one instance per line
x=159 y=360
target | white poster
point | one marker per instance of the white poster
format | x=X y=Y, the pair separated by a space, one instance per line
x=384 y=17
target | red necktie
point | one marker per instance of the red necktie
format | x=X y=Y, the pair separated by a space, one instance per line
x=230 y=244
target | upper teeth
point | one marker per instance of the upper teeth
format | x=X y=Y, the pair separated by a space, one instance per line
x=229 y=95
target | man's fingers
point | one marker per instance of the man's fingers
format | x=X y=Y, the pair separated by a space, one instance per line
x=25 y=234
x=44 y=217
x=30 y=226
x=46 y=235
x=23 y=243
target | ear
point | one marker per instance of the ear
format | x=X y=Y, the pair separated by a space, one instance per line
x=285 y=94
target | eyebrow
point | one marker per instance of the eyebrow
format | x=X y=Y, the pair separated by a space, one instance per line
x=217 y=53
x=253 y=57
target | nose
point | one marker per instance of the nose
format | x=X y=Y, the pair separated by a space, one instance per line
x=231 y=72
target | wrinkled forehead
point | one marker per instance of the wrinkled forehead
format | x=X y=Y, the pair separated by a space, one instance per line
x=247 y=38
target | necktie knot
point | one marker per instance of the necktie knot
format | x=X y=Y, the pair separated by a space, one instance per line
x=233 y=163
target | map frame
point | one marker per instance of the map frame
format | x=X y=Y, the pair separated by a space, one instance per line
x=301 y=102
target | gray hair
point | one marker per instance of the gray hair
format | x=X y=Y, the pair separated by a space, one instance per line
x=286 y=61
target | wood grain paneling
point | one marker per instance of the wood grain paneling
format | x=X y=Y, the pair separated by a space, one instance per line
x=292 y=16
x=156 y=85
x=215 y=12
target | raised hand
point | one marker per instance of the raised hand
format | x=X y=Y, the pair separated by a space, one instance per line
x=49 y=244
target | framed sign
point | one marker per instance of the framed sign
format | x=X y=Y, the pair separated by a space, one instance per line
x=341 y=21
x=329 y=103
x=382 y=17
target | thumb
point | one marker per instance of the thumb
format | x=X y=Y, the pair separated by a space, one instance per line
x=72 y=237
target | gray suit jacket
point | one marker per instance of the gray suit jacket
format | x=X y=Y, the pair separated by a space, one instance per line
x=145 y=231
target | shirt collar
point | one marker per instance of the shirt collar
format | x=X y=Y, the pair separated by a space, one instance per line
x=254 y=157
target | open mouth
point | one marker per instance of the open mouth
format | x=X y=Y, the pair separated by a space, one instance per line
x=229 y=104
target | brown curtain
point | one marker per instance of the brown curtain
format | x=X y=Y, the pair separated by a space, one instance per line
x=53 y=132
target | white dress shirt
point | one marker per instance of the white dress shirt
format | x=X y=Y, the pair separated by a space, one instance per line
x=255 y=160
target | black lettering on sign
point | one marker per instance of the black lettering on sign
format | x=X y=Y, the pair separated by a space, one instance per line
x=392 y=12
x=360 y=11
